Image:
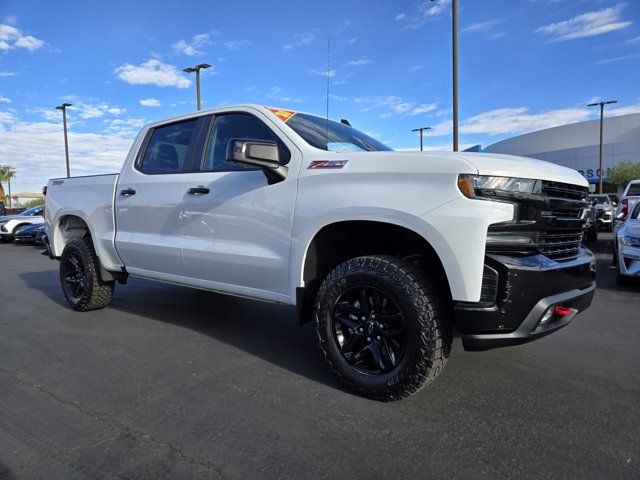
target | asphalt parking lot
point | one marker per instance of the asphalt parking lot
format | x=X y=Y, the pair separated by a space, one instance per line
x=170 y=382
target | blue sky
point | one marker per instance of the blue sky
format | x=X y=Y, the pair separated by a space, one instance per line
x=524 y=65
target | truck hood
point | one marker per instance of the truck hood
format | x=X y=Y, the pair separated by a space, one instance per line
x=524 y=167
x=460 y=162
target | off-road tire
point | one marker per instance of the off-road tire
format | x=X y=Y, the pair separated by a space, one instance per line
x=97 y=293
x=428 y=317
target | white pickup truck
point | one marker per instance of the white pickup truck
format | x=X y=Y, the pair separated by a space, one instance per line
x=387 y=252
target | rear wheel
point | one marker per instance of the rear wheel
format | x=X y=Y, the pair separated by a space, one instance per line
x=80 y=277
x=383 y=327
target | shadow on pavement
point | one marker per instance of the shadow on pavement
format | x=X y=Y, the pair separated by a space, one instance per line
x=265 y=330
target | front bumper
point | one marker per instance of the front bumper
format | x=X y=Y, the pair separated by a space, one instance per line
x=629 y=260
x=519 y=295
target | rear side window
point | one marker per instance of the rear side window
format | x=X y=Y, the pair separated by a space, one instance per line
x=169 y=148
x=240 y=126
x=634 y=190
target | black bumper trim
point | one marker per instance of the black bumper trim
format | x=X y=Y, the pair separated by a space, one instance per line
x=578 y=299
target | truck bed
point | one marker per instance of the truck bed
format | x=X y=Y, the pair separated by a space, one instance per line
x=91 y=199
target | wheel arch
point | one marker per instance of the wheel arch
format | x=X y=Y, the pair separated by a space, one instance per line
x=338 y=241
x=72 y=225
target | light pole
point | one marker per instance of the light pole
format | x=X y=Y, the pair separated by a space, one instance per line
x=454 y=54
x=421 y=129
x=197 y=69
x=601 y=104
x=63 y=107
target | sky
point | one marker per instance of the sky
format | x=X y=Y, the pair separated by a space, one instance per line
x=524 y=65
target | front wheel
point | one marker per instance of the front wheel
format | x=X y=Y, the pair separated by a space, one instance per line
x=383 y=326
x=80 y=277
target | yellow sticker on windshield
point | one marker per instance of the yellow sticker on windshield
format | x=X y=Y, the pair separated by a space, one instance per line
x=283 y=115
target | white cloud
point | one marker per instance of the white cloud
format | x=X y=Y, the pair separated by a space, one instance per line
x=588 y=24
x=513 y=121
x=323 y=73
x=301 y=39
x=633 y=41
x=426 y=11
x=152 y=72
x=4 y=99
x=7 y=74
x=193 y=47
x=11 y=37
x=36 y=150
x=487 y=28
x=150 y=102
x=396 y=106
x=358 y=63
x=275 y=93
x=616 y=111
x=605 y=61
x=237 y=44
x=415 y=68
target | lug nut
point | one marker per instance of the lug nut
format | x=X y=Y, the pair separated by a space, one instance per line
x=378 y=338
x=368 y=339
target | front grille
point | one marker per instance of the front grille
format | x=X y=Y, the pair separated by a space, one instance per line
x=554 y=218
x=560 y=244
x=566 y=213
x=564 y=190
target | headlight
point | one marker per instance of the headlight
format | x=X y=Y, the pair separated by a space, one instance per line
x=630 y=241
x=482 y=186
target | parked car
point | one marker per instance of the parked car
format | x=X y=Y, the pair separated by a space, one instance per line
x=11 y=223
x=385 y=251
x=605 y=211
x=630 y=194
x=29 y=234
x=591 y=223
x=626 y=250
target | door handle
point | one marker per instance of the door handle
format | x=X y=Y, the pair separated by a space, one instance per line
x=127 y=192
x=198 y=191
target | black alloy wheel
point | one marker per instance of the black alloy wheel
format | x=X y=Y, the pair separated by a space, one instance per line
x=75 y=277
x=369 y=330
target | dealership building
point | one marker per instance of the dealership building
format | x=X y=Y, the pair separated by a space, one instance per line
x=577 y=145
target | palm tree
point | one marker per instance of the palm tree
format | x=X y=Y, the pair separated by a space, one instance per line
x=7 y=172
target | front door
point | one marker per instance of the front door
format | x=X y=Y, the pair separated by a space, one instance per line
x=237 y=235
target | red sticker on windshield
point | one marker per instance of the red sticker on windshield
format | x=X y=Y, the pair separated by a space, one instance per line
x=283 y=115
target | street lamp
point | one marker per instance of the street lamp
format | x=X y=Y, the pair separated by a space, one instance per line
x=454 y=45
x=63 y=107
x=601 y=104
x=421 y=129
x=197 y=69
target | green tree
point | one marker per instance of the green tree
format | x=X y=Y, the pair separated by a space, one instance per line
x=34 y=203
x=623 y=172
x=6 y=174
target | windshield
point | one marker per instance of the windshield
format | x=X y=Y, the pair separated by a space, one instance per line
x=635 y=215
x=32 y=212
x=600 y=198
x=333 y=136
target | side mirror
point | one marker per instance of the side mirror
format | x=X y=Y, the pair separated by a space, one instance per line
x=258 y=153
x=621 y=217
x=594 y=202
x=614 y=204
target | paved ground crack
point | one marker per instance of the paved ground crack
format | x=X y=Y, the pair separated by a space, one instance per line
x=118 y=431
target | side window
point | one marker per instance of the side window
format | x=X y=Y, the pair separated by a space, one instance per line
x=236 y=126
x=168 y=149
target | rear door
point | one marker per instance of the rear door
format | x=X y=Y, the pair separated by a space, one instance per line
x=149 y=200
x=237 y=232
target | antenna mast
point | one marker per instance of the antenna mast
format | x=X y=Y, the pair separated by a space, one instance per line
x=328 y=82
